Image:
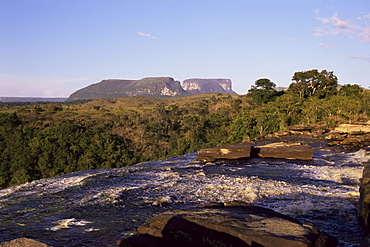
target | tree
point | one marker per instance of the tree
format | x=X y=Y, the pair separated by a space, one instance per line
x=263 y=91
x=351 y=90
x=314 y=83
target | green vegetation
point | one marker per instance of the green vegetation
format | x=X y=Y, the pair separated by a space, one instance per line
x=47 y=140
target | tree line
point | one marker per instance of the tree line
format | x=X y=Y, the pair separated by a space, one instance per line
x=47 y=140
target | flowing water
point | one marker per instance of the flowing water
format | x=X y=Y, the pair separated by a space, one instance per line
x=98 y=207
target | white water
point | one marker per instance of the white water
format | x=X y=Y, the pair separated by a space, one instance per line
x=323 y=191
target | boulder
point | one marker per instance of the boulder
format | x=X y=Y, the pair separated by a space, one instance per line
x=236 y=151
x=364 y=202
x=282 y=150
x=23 y=242
x=227 y=224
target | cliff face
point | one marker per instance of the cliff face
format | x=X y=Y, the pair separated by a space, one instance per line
x=152 y=86
x=199 y=86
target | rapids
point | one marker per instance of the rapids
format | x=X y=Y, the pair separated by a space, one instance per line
x=98 y=207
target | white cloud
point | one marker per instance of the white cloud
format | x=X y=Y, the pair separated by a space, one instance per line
x=360 y=57
x=293 y=39
x=146 y=35
x=335 y=26
x=327 y=45
x=365 y=34
x=365 y=16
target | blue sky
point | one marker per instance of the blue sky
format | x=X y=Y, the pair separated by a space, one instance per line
x=51 y=48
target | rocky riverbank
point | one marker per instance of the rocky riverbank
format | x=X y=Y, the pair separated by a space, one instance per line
x=203 y=226
x=94 y=208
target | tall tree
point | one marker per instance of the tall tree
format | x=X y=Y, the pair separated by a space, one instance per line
x=314 y=83
x=263 y=91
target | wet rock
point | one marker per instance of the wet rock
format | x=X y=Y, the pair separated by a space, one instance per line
x=227 y=224
x=23 y=242
x=236 y=151
x=364 y=202
x=282 y=150
x=365 y=242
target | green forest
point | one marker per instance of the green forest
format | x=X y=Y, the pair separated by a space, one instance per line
x=41 y=140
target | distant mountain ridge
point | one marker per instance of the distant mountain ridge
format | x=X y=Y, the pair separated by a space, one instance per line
x=151 y=86
x=31 y=99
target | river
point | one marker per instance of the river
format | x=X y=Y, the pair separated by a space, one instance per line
x=98 y=207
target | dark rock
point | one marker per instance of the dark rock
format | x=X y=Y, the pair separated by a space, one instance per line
x=23 y=242
x=282 y=150
x=365 y=242
x=227 y=224
x=236 y=151
x=364 y=202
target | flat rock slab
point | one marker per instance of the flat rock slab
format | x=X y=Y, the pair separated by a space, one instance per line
x=227 y=224
x=236 y=151
x=353 y=128
x=282 y=150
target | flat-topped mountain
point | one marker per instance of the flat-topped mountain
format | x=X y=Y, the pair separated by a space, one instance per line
x=200 y=86
x=151 y=86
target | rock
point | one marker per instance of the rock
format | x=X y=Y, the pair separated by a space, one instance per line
x=351 y=136
x=200 y=86
x=114 y=88
x=357 y=138
x=23 y=242
x=353 y=128
x=235 y=151
x=227 y=224
x=306 y=130
x=335 y=136
x=298 y=128
x=280 y=133
x=365 y=242
x=282 y=150
x=318 y=130
x=364 y=202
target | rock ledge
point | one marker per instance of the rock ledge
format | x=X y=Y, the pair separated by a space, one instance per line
x=227 y=224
